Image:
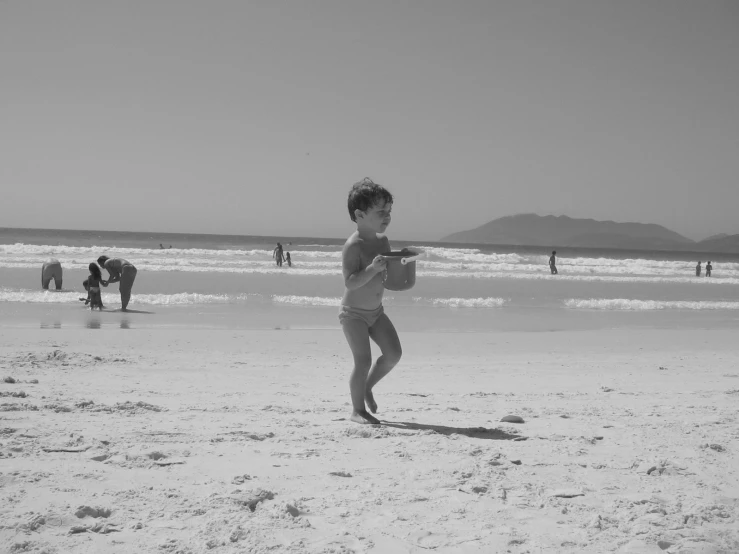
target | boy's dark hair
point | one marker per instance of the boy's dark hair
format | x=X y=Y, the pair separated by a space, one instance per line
x=365 y=194
x=102 y=260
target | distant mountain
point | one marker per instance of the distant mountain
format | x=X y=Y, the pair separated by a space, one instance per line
x=722 y=243
x=714 y=237
x=560 y=231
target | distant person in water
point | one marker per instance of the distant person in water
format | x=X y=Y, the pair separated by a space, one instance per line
x=161 y=246
x=288 y=260
x=122 y=271
x=51 y=269
x=709 y=268
x=698 y=270
x=277 y=254
x=93 y=287
x=553 y=262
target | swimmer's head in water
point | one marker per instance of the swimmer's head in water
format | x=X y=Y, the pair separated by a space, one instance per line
x=102 y=260
x=86 y=284
x=365 y=195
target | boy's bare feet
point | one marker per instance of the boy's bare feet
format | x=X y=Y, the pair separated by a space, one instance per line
x=370 y=401
x=364 y=417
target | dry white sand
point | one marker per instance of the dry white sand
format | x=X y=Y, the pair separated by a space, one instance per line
x=230 y=441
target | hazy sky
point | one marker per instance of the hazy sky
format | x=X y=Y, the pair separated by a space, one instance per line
x=256 y=117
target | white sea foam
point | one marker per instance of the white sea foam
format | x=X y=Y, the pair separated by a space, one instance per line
x=44 y=297
x=462 y=302
x=306 y=300
x=393 y=301
x=191 y=298
x=456 y=263
x=177 y=299
x=424 y=270
x=188 y=299
x=93 y=252
x=645 y=305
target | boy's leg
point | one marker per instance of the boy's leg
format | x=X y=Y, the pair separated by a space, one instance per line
x=384 y=334
x=357 y=335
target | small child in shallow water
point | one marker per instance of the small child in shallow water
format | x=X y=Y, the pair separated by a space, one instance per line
x=86 y=286
x=93 y=282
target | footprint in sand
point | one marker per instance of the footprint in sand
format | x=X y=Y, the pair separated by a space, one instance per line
x=427 y=539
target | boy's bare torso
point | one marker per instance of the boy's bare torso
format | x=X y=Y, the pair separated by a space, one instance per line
x=369 y=296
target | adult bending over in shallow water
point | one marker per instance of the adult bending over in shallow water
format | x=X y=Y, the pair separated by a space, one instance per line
x=123 y=271
x=51 y=269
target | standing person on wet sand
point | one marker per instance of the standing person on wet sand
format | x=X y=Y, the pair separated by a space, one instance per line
x=553 y=263
x=709 y=268
x=122 y=271
x=698 y=270
x=51 y=269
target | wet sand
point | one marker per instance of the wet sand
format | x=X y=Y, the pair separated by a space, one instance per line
x=232 y=440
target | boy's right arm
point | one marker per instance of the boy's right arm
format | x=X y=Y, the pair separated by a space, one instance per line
x=356 y=276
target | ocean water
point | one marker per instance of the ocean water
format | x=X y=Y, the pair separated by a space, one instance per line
x=233 y=281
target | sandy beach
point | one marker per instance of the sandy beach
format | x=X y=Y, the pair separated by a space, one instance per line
x=188 y=441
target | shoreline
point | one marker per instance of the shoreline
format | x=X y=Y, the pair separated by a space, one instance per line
x=407 y=319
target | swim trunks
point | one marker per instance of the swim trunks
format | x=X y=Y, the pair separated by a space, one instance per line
x=51 y=269
x=370 y=317
x=128 y=274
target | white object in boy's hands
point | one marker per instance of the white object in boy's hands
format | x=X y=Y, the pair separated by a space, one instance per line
x=412 y=258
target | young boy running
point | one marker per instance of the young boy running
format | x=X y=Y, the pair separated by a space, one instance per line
x=362 y=316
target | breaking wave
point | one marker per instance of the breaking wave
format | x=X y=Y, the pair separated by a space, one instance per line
x=325 y=260
x=191 y=298
x=462 y=302
x=626 y=304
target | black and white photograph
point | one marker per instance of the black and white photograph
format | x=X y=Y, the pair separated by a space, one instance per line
x=379 y=277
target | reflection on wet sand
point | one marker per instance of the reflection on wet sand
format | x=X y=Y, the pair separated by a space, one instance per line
x=89 y=321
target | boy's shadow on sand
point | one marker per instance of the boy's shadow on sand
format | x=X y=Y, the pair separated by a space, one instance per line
x=471 y=432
